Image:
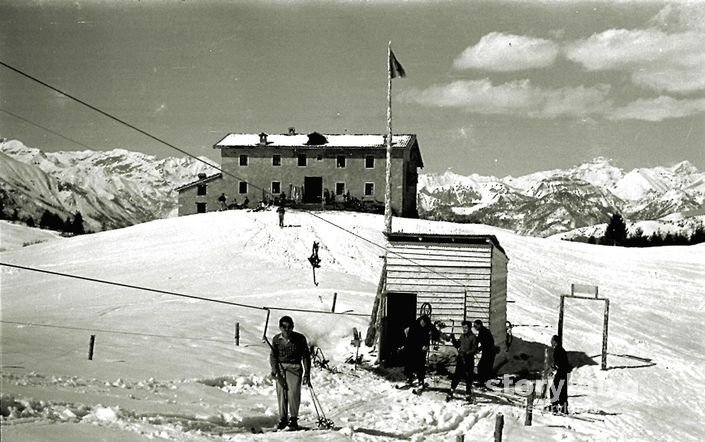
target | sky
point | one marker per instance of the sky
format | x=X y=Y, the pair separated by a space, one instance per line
x=494 y=88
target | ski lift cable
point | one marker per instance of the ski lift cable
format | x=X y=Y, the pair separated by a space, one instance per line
x=169 y=293
x=172 y=146
x=51 y=131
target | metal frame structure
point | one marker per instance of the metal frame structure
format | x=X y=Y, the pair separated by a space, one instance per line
x=578 y=288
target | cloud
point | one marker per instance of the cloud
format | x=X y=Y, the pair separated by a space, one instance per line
x=669 y=55
x=658 y=109
x=500 y=52
x=519 y=98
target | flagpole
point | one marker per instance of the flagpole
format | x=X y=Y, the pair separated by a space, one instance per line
x=388 y=179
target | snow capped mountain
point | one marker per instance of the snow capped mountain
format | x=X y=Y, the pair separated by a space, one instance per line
x=550 y=202
x=111 y=189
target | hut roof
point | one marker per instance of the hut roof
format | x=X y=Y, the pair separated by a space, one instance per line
x=445 y=239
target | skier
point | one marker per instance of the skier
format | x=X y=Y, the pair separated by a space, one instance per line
x=222 y=198
x=289 y=352
x=281 y=212
x=416 y=345
x=559 y=388
x=486 y=363
x=465 y=361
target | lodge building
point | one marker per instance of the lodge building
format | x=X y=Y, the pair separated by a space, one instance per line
x=305 y=169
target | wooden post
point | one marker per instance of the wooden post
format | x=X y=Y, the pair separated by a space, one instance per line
x=604 y=334
x=560 y=318
x=335 y=298
x=498 y=427
x=266 y=323
x=237 y=333
x=91 y=346
x=530 y=406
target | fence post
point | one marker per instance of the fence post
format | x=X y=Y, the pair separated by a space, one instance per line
x=91 y=346
x=604 y=334
x=560 y=318
x=530 y=406
x=237 y=333
x=335 y=298
x=544 y=377
x=266 y=324
x=498 y=427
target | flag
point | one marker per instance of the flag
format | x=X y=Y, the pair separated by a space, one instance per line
x=395 y=68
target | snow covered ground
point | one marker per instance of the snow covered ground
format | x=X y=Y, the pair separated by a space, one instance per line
x=166 y=368
x=13 y=236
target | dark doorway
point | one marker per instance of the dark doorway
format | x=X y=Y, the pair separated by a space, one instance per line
x=200 y=207
x=401 y=313
x=313 y=189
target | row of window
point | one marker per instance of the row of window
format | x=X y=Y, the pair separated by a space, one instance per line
x=302 y=160
x=277 y=188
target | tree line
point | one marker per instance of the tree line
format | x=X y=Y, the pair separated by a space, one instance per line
x=616 y=234
x=72 y=225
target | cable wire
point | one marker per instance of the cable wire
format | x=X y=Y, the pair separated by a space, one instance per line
x=169 y=293
x=51 y=131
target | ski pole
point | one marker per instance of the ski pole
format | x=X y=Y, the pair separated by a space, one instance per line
x=323 y=421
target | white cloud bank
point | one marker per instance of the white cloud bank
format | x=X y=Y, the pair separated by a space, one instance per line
x=656 y=60
x=519 y=98
x=506 y=52
x=658 y=109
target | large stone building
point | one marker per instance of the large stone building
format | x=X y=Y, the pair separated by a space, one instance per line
x=305 y=169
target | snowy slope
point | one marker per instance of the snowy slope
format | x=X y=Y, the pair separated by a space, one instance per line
x=13 y=236
x=178 y=376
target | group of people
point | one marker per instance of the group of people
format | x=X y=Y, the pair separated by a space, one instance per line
x=475 y=339
x=290 y=362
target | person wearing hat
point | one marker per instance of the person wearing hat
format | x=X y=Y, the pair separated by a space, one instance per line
x=290 y=361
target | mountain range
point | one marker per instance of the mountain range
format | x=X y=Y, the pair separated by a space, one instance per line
x=110 y=189
x=118 y=188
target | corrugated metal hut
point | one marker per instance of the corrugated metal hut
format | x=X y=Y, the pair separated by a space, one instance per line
x=454 y=277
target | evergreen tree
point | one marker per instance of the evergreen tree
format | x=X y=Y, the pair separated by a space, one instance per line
x=77 y=225
x=592 y=240
x=616 y=232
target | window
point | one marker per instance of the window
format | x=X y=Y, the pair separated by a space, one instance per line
x=276 y=187
x=243 y=187
x=243 y=160
x=340 y=161
x=339 y=188
x=276 y=160
x=369 y=189
x=369 y=162
x=201 y=190
x=302 y=159
x=200 y=207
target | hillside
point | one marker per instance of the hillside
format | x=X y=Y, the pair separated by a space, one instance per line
x=114 y=188
x=166 y=367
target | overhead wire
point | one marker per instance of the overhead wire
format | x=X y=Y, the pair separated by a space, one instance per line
x=223 y=171
x=51 y=131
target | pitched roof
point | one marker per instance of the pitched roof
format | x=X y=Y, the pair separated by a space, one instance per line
x=199 y=181
x=302 y=140
x=445 y=239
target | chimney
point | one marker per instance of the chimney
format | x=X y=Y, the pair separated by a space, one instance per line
x=202 y=176
x=292 y=131
x=263 y=139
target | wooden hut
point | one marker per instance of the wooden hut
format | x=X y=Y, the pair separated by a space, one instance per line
x=451 y=277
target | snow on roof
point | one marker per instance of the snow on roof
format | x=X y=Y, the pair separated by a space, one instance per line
x=199 y=181
x=334 y=140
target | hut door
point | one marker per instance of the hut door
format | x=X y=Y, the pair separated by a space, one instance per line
x=401 y=313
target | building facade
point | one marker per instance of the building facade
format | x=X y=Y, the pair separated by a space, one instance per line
x=308 y=169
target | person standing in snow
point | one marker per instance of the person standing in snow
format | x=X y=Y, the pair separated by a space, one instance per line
x=281 y=210
x=465 y=360
x=416 y=345
x=290 y=361
x=486 y=364
x=222 y=198
x=559 y=388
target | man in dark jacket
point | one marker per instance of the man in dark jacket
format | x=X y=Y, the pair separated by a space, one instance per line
x=559 y=388
x=416 y=345
x=289 y=351
x=465 y=361
x=485 y=366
